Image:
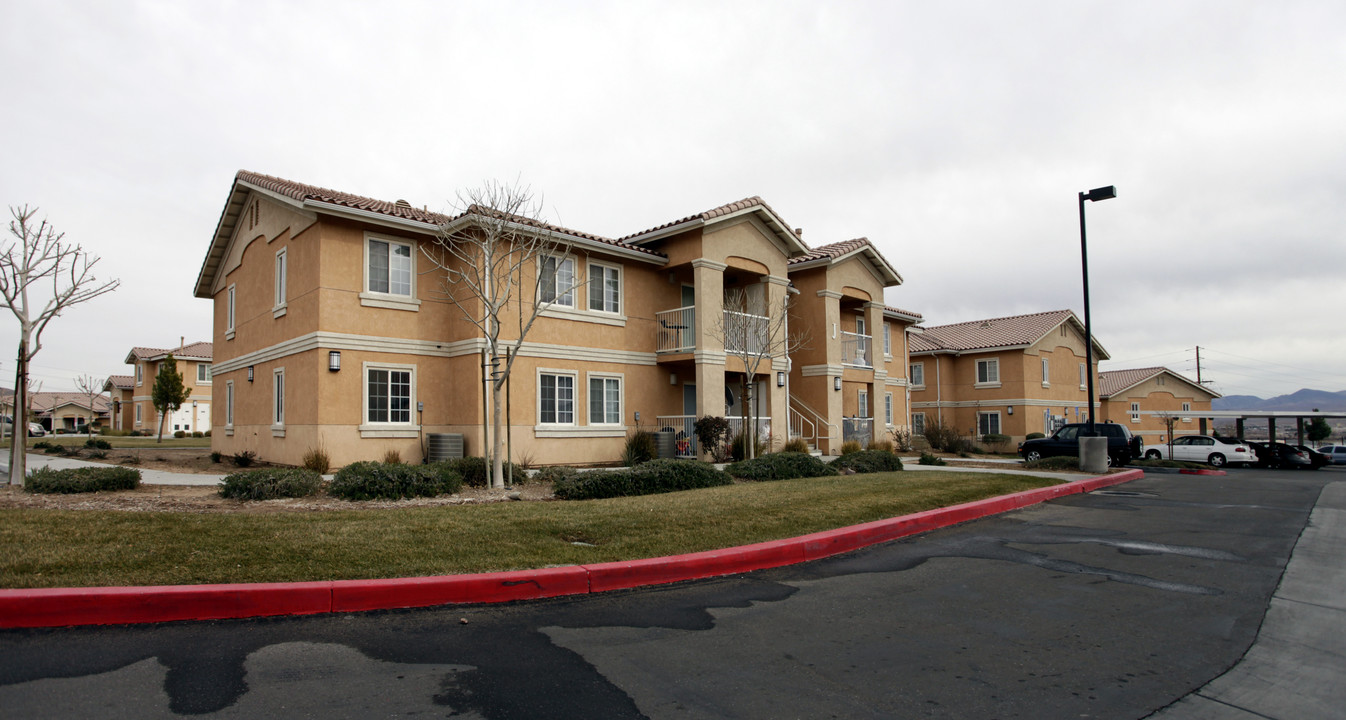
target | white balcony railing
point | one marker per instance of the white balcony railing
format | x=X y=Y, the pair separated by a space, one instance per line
x=676 y=331
x=763 y=427
x=744 y=332
x=857 y=350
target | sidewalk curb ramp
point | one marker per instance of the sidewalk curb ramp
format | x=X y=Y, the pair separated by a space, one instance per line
x=55 y=607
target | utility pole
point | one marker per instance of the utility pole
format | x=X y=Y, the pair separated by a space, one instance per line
x=1198 y=364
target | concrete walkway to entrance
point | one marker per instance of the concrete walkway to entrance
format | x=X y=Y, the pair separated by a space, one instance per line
x=147 y=477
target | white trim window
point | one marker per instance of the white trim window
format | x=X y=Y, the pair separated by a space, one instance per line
x=557 y=285
x=605 y=399
x=203 y=373
x=988 y=373
x=231 y=311
x=1084 y=377
x=140 y=374
x=282 y=282
x=887 y=341
x=556 y=398
x=278 y=399
x=918 y=374
x=138 y=414
x=389 y=268
x=1186 y=408
x=1046 y=373
x=1135 y=412
x=888 y=408
x=988 y=423
x=862 y=403
x=389 y=395
x=918 y=424
x=859 y=324
x=605 y=288
x=229 y=405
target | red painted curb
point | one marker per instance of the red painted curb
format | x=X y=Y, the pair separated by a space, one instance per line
x=1190 y=471
x=52 y=607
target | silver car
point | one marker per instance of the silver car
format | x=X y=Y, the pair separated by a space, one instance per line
x=1336 y=452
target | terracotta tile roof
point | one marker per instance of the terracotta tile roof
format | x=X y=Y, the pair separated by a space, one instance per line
x=402 y=209
x=900 y=311
x=45 y=402
x=991 y=333
x=1111 y=382
x=121 y=382
x=192 y=351
x=721 y=211
x=833 y=250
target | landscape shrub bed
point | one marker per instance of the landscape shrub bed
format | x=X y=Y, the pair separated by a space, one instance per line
x=379 y=481
x=656 y=476
x=868 y=461
x=473 y=471
x=780 y=466
x=1060 y=462
x=555 y=473
x=270 y=484
x=82 y=480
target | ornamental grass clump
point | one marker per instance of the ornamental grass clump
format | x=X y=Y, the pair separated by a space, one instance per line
x=82 y=480
x=271 y=484
x=868 y=461
x=780 y=466
x=381 y=481
x=656 y=476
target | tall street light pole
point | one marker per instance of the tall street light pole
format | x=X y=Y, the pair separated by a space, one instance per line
x=1095 y=195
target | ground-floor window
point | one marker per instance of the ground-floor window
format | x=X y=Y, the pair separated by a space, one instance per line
x=918 y=424
x=556 y=399
x=605 y=400
x=278 y=397
x=988 y=423
x=888 y=408
x=228 y=404
x=862 y=401
x=388 y=394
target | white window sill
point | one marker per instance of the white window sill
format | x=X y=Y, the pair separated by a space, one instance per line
x=1046 y=384
x=389 y=302
x=278 y=311
x=229 y=335
x=918 y=387
x=600 y=318
x=229 y=432
x=1135 y=420
x=379 y=430
x=560 y=431
x=277 y=431
x=986 y=386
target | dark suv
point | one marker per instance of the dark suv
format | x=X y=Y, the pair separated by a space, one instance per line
x=1123 y=447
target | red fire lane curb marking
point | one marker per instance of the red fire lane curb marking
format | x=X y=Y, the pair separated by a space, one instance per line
x=52 y=607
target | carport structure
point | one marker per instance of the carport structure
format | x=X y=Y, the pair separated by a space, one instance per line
x=1239 y=416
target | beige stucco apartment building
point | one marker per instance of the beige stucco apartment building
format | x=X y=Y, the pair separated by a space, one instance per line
x=1010 y=376
x=1144 y=398
x=332 y=332
x=132 y=396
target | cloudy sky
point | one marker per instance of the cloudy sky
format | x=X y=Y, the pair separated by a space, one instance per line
x=955 y=135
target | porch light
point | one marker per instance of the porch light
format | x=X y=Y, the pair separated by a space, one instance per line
x=249 y=373
x=780 y=379
x=1009 y=410
x=672 y=378
x=836 y=383
x=334 y=360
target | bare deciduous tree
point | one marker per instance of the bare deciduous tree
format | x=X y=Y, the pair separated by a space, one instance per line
x=755 y=334
x=92 y=389
x=41 y=275
x=502 y=267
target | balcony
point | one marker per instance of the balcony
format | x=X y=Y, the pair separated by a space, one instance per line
x=677 y=330
x=745 y=333
x=857 y=350
x=742 y=332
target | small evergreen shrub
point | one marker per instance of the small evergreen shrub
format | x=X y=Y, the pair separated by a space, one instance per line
x=799 y=445
x=198 y=434
x=639 y=448
x=271 y=483
x=216 y=456
x=713 y=434
x=1034 y=436
x=928 y=458
x=473 y=471
x=316 y=459
x=555 y=473
x=868 y=461
x=97 y=454
x=380 y=481
x=780 y=466
x=41 y=445
x=1060 y=462
x=850 y=446
x=656 y=476
x=179 y=434
x=54 y=449
x=244 y=459
x=995 y=441
x=97 y=444
x=206 y=433
x=82 y=480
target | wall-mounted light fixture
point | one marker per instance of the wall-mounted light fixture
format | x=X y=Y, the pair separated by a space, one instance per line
x=780 y=379
x=836 y=383
x=1009 y=410
x=334 y=360
x=672 y=378
x=249 y=373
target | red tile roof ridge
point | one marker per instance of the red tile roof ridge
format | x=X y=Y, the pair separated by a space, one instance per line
x=721 y=211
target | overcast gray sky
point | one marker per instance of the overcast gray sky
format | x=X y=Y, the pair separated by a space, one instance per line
x=955 y=135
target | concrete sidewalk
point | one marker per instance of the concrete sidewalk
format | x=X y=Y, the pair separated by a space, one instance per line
x=1296 y=666
x=147 y=477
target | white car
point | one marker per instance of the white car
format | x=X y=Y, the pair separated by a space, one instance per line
x=1203 y=449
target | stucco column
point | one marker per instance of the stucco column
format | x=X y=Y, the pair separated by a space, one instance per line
x=708 y=285
x=779 y=402
x=877 y=390
x=831 y=340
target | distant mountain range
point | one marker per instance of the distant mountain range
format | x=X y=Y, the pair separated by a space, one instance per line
x=1302 y=400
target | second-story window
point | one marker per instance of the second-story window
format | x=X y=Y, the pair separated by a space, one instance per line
x=203 y=373
x=918 y=374
x=1046 y=372
x=281 y=290
x=229 y=312
x=558 y=281
x=988 y=371
x=605 y=288
x=887 y=341
x=389 y=267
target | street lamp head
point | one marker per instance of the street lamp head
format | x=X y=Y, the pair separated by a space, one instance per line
x=1103 y=193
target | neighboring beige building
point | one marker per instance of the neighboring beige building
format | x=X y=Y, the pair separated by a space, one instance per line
x=1010 y=376
x=133 y=401
x=69 y=412
x=1142 y=398
x=331 y=332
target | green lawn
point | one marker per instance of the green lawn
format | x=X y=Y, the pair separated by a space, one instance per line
x=46 y=548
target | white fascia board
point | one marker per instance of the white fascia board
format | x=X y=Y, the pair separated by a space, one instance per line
x=370 y=216
x=219 y=242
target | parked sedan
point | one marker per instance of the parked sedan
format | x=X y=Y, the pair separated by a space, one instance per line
x=1316 y=459
x=1280 y=455
x=1203 y=449
x=1336 y=452
x=35 y=430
